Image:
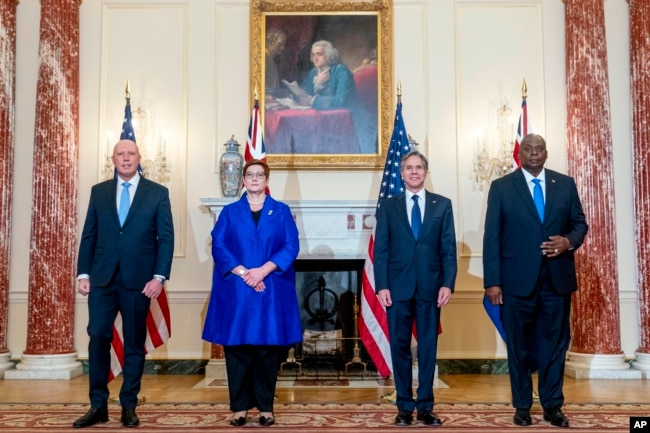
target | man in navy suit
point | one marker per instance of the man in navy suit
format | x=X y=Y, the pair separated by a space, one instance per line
x=528 y=266
x=125 y=256
x=415 y=272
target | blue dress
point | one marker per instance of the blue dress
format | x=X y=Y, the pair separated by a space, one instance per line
x=237 y=314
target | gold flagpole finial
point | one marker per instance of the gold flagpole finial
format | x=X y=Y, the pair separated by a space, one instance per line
x=524 y=89
x=127 y=90
x=399 y=91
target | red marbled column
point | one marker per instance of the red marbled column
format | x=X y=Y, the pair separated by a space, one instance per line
x=595 y=315
x=7 y=103
x=55 y=183
x=640 y=92
x=216 y=351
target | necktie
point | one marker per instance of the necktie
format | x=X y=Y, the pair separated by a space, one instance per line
x=416 y=217
x=125 y=203
x=538 y=198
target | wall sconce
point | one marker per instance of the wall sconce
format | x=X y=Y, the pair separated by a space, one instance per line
x=491 y=165
x=155 y=168
x=412 y=143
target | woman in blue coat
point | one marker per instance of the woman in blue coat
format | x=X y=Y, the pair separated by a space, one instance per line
x=253 y=309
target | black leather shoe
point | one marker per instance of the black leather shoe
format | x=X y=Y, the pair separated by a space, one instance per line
x=238 y=422
x=129 y=418
x=556 y=417
x=429 y=418
x=522 y=417
x=267 y=421
x=403 y=418
x=94 y=416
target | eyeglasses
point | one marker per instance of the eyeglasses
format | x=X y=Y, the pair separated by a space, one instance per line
x=258 y=175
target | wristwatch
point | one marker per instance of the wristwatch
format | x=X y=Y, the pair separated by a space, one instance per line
x=160 y=278
x=242 y=272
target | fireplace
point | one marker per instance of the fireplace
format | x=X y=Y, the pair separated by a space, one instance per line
x=328 y=291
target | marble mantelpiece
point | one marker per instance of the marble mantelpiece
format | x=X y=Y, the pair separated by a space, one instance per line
x=329 y=229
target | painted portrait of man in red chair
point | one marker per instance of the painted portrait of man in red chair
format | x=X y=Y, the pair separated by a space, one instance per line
x=321 y=84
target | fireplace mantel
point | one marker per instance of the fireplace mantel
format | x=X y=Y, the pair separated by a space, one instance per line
x=329 y=229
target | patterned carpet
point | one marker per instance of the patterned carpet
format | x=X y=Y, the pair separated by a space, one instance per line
x=325 y=418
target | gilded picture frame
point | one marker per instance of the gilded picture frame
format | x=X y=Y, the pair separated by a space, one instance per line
x=344 y=123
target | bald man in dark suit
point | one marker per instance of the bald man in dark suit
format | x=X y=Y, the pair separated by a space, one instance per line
x=125 y=257
x=528 y=266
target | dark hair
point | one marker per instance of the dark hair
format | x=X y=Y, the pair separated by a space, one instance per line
x=267 y=170
x=417 y=153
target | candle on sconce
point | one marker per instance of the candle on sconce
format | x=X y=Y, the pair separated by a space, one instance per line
x=165 y=135
x=512 y=128
x=109 y=138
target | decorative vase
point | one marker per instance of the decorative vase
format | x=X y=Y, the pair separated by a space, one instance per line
x=231 y=165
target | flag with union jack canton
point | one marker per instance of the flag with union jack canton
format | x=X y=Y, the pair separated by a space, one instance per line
x=494 y=312
x=523 y=129
x=255 y=148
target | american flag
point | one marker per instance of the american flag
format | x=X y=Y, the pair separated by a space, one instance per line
x=159 y=318
x=523 y=129
x=255 y=148
x=373 y=324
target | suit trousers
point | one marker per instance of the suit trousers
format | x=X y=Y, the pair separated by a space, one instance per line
x=103 y=305
x=252 y=375
x=401 y=317
x=537 y=335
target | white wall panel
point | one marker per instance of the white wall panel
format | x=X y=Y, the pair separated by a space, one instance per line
x=146 y=45
x=498 y=45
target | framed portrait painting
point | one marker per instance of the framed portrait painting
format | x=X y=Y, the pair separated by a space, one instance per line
x=323 y=71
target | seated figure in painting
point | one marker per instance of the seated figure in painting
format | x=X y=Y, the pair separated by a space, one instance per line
x=329 y=85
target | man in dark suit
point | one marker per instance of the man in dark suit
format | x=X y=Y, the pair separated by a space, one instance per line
x=125 y=256
x=415 y=272
x=528 y=266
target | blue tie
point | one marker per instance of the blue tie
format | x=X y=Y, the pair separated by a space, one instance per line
x=416 y=217
x=538 y=198
x=125 y=203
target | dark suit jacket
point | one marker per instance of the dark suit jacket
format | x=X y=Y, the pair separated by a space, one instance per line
x=514 y=233
x=143 y=248
x=401 y=262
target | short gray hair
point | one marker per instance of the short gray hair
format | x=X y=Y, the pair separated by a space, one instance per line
x=417 y=153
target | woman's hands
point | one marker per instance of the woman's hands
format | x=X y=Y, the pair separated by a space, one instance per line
x=254 y=277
